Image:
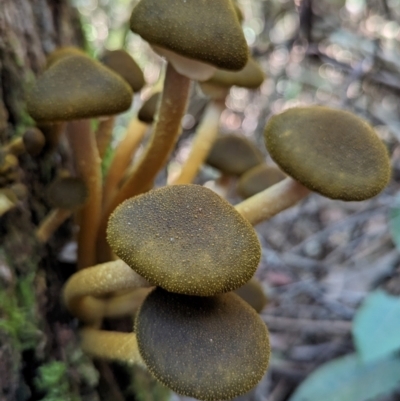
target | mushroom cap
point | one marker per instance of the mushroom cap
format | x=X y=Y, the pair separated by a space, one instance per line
x=332 y=152
x=62 y=52
x=67 y=193
x=234 y=154
x=208 y=30
x=78 y=87
x=34 y=141
x=123 y=64
x=149 y=107
x=210 y=348
x=251 y=76
x=257 y=179
x=185 y=239
x=253 y=293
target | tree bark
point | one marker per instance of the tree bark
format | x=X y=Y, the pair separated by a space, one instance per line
x=39 y=353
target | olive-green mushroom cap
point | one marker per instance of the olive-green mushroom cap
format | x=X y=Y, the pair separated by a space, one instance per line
x=332 y=152
x=234 y=155
x=210 y=348
x=257 y=179
x=251 y=76
x=78 y=87
x=67 y=193
x=207 y=30
x=185 y=239
x=253 y=293
x=148 y=110
x=62 y=52
x=123 y=64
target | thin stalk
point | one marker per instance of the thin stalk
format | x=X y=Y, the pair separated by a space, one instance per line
x=103 y=134
x=84 y=290
x=272 y=200
x=165 y=134
x=111 y=345
x=51 y=223
x=202 y=143
x=122 y=157
x=88 y=165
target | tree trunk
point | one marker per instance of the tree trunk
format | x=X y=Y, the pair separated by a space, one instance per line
x=39 y=355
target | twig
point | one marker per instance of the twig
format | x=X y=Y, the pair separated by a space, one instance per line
x=335 y=327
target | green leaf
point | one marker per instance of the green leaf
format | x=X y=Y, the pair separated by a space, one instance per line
x=394 y=223
x=376 y=326
x=348 y=379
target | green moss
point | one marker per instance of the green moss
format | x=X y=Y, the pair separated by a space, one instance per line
x=18 y=320
x=52 y=379
x=146 y=388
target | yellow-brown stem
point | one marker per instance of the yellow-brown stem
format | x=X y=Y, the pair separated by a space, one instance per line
x=202 y=143
x=122 y=157
x=84 y=290
x=272 y=200
x=111 y=345
x=83 y=144
x=165 y=134
x=103 y=134
x=51 y=223
x=15 y=147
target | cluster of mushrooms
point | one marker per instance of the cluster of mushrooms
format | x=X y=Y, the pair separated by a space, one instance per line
x=176 y=254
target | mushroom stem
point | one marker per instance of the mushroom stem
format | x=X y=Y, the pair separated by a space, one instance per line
x=111 y=345
x=272 y=200
x=202 y=143
x=88 y=165
x=165 y=134
x=51 y=223
x=122 y=157
x=82 y=289
x=15 y=147
x=104 y=134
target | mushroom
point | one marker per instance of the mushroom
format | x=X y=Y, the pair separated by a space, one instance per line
x=210 y=348
x=79 y=88
x=257 y=179
x=253 y=293
x=124 y=65
x=65 y=195
x=185 y=239
x=31 y=142
x=184 y=33
x=217 y=87
x=332 y=152
x=127 y=147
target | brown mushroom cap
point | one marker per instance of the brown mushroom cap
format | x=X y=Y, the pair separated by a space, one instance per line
x=251 y=76
x=253 y=293
x=149 y=107
x=34 y=141
x=78 y=87
x=257 y=179
x=332 y=152
x=67 y=193
x=123 y=64
x=208 y=30
x=186 y=239
x=234 y=155
x=210 y=348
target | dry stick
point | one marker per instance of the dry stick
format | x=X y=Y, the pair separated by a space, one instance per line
x=272 y=200
x=104 y=134
x=51 y=223
x=203 y=141
x=111 y=345
x=88 y=165
x=122 y=157
x=84 y=288
x=165 y=134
